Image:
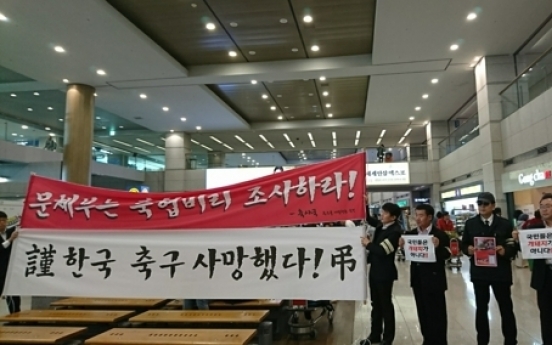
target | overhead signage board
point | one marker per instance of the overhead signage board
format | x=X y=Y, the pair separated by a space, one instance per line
x=387 y=174
x=532 y=177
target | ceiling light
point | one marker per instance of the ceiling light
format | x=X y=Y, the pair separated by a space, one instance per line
x=310 y=136
x=295 y=50
x=160 y=148
x=253 y=82
x=95 y=94
x=283 y=20
x=273 y=108
x=379 y=141
x=59 y=49
x=103 y=127
x=280 y=117
x=426 y=96
x=265 y=96
x=210 y=26
x=335 y=143
x=411 y=118
x=307 y=19
x=234 y=24
x=239 y=138
x=206 y=147
x=198 y=128
x=325 y=93
x=52 y=135
x=357 y=134
x=382 y=133
x=121 y=127
x=25 y=127
x=291 y=144
x=328 y=105
x=21 y=135
x=271 y=146
x=66 y=81
x=3 y=18
x=172 y=130
x=407 y=132
x=471 y=16
x=249 y=145
x=313 y=143
x=286 y=136
x=50 y=108
x=46 y=128
x=228 y=147
x=122 y=143
x=13 y=95
x=14 y=134
x=315 y=48
x=402 y=139
x=279 y=96
x=333 y=135
x=141 y=149
x=454 y=47
x=36 y=94
x=100 y=72
x=29 y=109
x=60 y=120
x=252 y=52
x=143 y=96
x=434 y=81
x=262 y=137
x=183 y=119
x=232 y=53
x=330 y=115
x=322 y=78
x=215 y=139
x=418 y=108
x=145 y=142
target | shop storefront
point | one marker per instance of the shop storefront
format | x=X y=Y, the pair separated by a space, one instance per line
x=461 y=203
x=524 y=188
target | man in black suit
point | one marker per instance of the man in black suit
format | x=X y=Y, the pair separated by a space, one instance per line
x=541 y=277
x=429 y=281
x=7 y=238
x=382 y=248
x=488 y=225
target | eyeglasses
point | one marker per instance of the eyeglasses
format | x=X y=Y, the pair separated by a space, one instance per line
x=545 y=207
x=483 y=203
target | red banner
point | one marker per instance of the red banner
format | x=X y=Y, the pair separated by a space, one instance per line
x=324 y=192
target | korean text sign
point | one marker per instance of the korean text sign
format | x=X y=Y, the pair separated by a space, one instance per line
x=324 y=192
x=419 y=248
x=536 y=244
x=281 y=263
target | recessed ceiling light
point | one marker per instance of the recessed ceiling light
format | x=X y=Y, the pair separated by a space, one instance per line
x=14 y=134
x=100 y=72
x=280 y=117
x=210 y=26
x=265 y=96
x=13 y=95
x=273 y=108
x=50 y=108
x=24 y=126
x=315 y=48
x=279 y=96
x=418 y=108
x=322 y=78
x=59 y=49
x=21 y=135
x=95 y=94
x=253 y=82
x=121 y=127
x=295 y=50
x=172 y=130
x=411 y=118
x=234 y=24
x=165 y=108
x=36 y=94
x=29 y=109
x=434 y=81
x=52 y=135
x=330 y=115
x=182 y=119
x=252 y=52
x=325 y=93
x=97 y=117
x=471 y=16
x=47 y=128
x=60 y=120
x=425 y=96
x=232 y=53
x=3 y=18
x=283 y=21
x=143 y=96
x=454 y=47
x=310 y=94
x=103 y=127
x=198 y=128
x=66 y=81
x=328 y=105
x=194 y=5
x=307 y=19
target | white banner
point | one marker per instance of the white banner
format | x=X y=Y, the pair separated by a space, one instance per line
x=419 y=248
x=378 y=174
x=277 y=263
x=536 y=244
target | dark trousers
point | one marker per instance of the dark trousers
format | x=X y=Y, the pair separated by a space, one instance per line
x=503 y=297
x=383 y=311
x=14 y=304
x=544 y=300
x=432 y=314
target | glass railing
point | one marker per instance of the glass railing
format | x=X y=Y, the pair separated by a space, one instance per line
x=528 y=85
x=460 y=137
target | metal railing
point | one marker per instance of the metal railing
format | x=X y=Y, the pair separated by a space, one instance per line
x=460 y=137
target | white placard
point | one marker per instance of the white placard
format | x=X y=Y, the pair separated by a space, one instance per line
x=215 y=178
x=333 y=264
x=419 y=248
x=536 y=244
x=387 y=174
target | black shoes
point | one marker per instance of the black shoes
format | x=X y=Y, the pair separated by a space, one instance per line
x=371 y=340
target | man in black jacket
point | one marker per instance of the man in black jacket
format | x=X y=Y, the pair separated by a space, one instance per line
x=499 y=278
x=7 y=238
x=383 y=272
x=541 y=276
x=429 y=280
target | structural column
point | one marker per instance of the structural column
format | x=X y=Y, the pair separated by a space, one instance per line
x=436 y=132
x=178 y=149
x=492 y=74
x=78 y=134
x=215 y=160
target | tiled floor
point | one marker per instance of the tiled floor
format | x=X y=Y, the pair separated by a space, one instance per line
x=461 y=311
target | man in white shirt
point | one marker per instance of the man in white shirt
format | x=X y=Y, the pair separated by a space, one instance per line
x=7 y=237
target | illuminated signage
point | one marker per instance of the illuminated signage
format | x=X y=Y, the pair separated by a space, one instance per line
x=448 y=195
x=462 y=192
x=387 y=174
x=533 y=177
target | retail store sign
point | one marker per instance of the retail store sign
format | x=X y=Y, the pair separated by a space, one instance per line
x=448 y=195
x=461 y=192
x=533 y=177
x=378 y=174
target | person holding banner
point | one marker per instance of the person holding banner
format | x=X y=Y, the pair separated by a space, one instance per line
x=428 y=279
x=8 y=236
x=488 y=241
x=383 y=272
x=541 y=276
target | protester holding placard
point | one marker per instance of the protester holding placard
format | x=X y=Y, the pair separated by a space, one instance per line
x=428 y=279
x=491 y=236
x=382 y=248
x=8 y=236
x=541 y=276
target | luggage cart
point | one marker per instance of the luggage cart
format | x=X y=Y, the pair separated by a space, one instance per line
x=455 y=254
x=297 y=327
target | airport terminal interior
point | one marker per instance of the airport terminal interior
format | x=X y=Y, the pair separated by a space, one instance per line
x=446 y=101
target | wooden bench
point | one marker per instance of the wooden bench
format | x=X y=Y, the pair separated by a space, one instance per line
x=254 y=304
x=67 y=316
x=202 y=316
x=37 y=335
x=108 y=303
x=137 y=336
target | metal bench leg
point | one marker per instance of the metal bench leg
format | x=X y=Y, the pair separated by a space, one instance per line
x=264 y=333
